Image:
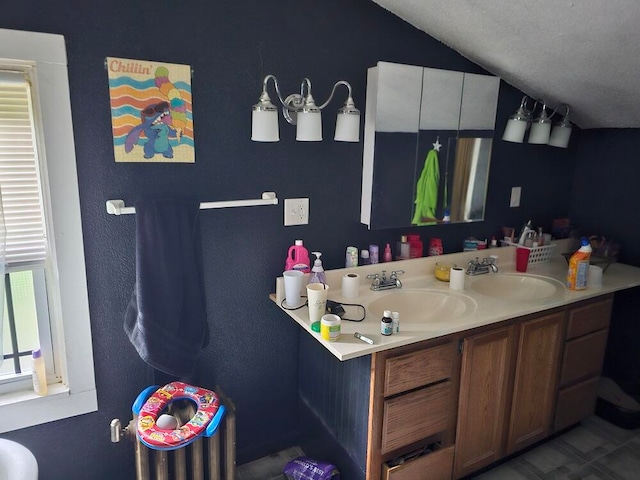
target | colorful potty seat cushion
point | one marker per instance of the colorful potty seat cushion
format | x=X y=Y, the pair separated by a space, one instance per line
x=208 y=409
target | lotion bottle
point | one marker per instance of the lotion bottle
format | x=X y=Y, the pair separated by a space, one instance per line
x=387 y=254
x=403 y=249
x=39 y=375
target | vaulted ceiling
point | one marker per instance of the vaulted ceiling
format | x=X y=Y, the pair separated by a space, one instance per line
x=585 y=53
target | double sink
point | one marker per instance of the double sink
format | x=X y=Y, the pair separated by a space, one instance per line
x=436 y=306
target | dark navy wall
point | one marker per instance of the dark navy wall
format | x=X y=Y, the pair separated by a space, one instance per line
x=253 y=354
x=606 y=183
x=604 y=202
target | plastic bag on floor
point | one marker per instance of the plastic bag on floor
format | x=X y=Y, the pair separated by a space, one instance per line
x=305 y=468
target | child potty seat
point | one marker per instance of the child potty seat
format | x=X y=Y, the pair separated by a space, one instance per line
x=153 y=401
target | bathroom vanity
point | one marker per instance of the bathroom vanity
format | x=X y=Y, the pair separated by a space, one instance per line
x=498 y=367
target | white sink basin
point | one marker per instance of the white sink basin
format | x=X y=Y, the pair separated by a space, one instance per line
x=423 y=306
x=516 y=287
x=17 y=462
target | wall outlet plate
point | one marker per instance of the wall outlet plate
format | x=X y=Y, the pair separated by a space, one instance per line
x=296 y=211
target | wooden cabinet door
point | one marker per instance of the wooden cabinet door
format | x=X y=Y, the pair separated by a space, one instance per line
x=484 y=393
x=535 y=381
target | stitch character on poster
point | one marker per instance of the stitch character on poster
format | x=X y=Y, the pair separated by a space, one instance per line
x=151 y=111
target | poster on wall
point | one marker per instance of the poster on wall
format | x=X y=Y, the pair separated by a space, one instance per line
x=151 y=111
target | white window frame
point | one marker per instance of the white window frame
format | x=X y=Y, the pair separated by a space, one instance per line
x=75 y=392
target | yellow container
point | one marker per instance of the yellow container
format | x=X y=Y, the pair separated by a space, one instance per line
x=443 y=271
x=330 y=327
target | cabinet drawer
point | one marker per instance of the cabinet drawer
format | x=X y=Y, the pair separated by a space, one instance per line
x=416 y=369
x=416 y=415
x=576 y=403
x=589 y=318
x=583 y=357
x=438 y=464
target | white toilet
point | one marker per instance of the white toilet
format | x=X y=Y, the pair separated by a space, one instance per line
x=17 y=462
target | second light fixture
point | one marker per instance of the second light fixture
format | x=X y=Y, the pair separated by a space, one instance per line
x=541 y=127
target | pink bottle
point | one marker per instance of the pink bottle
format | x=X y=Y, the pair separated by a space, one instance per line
x=298 y=258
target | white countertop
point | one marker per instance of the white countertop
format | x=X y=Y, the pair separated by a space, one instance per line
x=479 y=309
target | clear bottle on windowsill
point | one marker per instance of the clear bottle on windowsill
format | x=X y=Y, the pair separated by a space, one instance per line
x=38 y=373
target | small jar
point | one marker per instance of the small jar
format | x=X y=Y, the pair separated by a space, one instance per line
x=386 y=324
x=330 y=327
x=395 y=317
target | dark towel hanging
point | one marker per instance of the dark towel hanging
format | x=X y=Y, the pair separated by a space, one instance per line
x=166 y=318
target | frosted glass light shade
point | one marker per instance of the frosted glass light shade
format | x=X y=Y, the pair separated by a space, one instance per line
x=309 y=126
x=560 y=136
x=539 y=133
x=515 y=130
x=264 y=126
x=347 y=127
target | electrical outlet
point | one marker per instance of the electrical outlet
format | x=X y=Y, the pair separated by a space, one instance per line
x=296 y=211
x=515 y=197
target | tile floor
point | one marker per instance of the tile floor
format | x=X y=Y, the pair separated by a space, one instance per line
x=269 y=467
x=594 y=450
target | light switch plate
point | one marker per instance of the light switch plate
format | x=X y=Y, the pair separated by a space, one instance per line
x=515 y=197
x=296 y=211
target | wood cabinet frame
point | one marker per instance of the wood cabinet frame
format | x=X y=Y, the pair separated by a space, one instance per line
x=520 y=382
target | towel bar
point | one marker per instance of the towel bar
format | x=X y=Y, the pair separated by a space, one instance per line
x=116 y=207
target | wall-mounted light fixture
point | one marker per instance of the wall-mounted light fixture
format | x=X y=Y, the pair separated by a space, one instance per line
x=541 y=127
x=561 y=132
x=302 y=111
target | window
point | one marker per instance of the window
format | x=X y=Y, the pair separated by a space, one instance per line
x=23 y=248
x=46 y=279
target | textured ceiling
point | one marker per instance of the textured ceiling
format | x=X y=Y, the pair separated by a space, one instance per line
x=585 y=53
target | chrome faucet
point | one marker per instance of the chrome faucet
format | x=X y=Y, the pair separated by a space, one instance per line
x=476 y=267
x=381 y=282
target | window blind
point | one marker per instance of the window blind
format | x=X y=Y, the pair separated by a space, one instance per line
x=19 y=175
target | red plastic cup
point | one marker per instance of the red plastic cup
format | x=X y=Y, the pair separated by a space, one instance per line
x=522 y=259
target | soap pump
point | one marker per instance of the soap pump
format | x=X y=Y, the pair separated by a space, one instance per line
x=317 y=272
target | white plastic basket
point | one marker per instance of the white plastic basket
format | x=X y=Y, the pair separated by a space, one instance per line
x=536 y=254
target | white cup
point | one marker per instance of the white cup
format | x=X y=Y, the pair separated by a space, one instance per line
x=317 y=299
x=594 y=277
x=292 y=287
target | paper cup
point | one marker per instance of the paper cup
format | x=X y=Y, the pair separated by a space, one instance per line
x=317 y=300
x=292 y=287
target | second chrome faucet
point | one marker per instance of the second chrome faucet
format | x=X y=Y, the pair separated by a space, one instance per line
x=381 y=282
x=476 y=267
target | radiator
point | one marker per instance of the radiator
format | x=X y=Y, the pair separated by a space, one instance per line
x=211 y=458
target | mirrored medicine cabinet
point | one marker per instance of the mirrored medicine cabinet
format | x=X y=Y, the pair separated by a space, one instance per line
x=427 y=145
